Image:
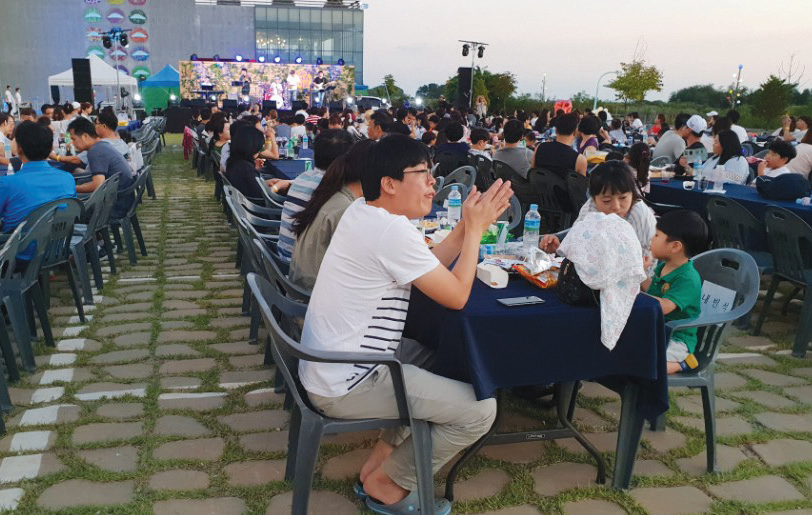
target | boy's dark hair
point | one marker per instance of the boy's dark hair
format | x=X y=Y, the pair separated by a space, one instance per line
x=734 y=116
x=81 y=125
x=389 y=158
x=381 y=119
x=616 y=123
x=513 y=131
x=722 y=123
x=251 y=119
x=402 y=113
x=108 y=119
x=328 y=145
x=455 y=132
x=783 y=149
x=687 y=227
x=35 y=141
x=566 y=124
x=681 y=120
x=479 y=134
x=205 y=113
x=613 y=177
x=428 y=137
x=44 y=120
x=245 y=142
x=300 y=119
x=27 y=111
x=44 y=108
x=603 y=116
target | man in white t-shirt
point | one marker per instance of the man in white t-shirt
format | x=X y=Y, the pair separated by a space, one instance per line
x=775 y=162
x=740 y=131
x=359 y=304
x=293 y=81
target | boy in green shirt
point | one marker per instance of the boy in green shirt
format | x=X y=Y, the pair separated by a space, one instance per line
x=676 y=284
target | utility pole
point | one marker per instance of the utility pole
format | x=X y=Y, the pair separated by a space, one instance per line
x=543 y=87
x=470 y=46
x=597 y=89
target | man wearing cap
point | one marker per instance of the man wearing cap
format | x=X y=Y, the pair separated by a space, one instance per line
x=672 y=143
x=696 y=126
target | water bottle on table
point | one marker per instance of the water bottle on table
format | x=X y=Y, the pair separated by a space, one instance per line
x=532 y=224
x=304 y=141
x=454 y=205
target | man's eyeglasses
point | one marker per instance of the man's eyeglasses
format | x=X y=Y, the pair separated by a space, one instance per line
x=427 y=171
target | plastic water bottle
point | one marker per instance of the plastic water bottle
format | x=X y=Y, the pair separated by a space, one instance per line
x=532 y=224
x=454 y=205
x=280 y=144
x=290 y=147
x=304 y=141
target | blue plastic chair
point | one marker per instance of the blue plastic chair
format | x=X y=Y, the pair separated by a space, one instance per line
x=8 y=256
x=729 y=268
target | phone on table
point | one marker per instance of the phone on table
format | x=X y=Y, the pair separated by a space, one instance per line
x=520 y=301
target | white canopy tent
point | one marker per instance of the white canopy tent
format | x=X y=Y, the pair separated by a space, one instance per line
x=101 y=75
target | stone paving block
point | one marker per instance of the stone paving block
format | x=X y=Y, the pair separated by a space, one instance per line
x=120 y=410
x=185 y=336
x=29 y=396
x=553 y=479
x=55 y=414
x=175 y=349
x=247 y=361
x=664 y=441
x=176 y=324
x=784 y=422
x=10 y=498
x=107 y=431
x=230 y=322
x=203 y=449
x=120 y=356
x=179 y=480
x=96 y=391
x=774 y=379
x=728 y=381
x=487 y=483
x=747 y=359
x=255 y=420
x=604 y=442
x=273 y=441
x=132 y=339
x=61 y=375
x=254 y=473
x=239 y=334
x=748 y=340
x=28 y=466
x=176 y=425
x=345 y=465
x=61 y=359
x=185 y=295
x=759 y=490
x=28 y=441
x=183 y=313
x=180 y=383
x=776 y=453
x=321 y=502
x=78 y=344
x=125 y=317
x=132 y=371
x=63 y=495
x=803 y=372
x=526 y=452
x=240 y=378
x=216 y=506
x=725 y=426
x=652 y=468
x=117 y=459
x=591 y=507
x=114 y=330
x=235 y=348
x=524 y=509
x=693 y=404
x=192 y=401
x=230 y=301
x=183 y=366
x=802 y=393
x=129 y=308
x=768 y=399
x=672 y=500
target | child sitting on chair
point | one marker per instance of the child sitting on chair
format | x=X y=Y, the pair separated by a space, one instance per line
x=676 y=284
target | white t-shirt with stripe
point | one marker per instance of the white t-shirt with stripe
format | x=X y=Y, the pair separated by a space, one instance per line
x=361 y=296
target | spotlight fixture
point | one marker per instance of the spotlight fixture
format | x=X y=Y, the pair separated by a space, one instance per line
x=262 y=58
x=238 y=57
x=246 y=99
x=277 y=59
x=481 y=52
x=193 y=57
x=350 y=100
x=137 y=97
x=217 y=58
x=319 y=61
x=107 y=42
x=465 y=49
x=172 y=97
x=341 y=62
x=298 y=59
x=122 y=39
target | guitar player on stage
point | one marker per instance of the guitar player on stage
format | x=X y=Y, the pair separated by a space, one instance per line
x=293 y=81
x=317 y=93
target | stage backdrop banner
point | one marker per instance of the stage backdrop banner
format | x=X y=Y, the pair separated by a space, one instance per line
x=264 y=79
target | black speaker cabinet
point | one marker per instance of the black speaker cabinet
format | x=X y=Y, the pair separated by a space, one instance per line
x=465 y=76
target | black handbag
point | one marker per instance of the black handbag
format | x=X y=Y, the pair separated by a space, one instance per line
x=572 y=290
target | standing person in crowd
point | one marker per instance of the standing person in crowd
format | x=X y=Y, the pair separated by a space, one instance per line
x=104 y=161
x=513 y=154
x=292 y=82
x=328 y=145
x=588 y=128
x=9 y=100
x=529 y=140
x=558 y=156
x=402 y=123
x=695 y=126
x=543 y=121
x=18 y=98
x=727 y=152
x=6 y=144
x=775 y=162
x=802 y=162
x=481 y=106
x=672 y=143
x=740 y=131
x=639 y=159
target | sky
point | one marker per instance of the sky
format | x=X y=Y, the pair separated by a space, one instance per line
x=690 y=41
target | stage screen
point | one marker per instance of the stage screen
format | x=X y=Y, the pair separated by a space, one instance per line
x=266 y=81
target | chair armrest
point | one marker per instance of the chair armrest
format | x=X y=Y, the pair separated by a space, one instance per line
x=262 y=222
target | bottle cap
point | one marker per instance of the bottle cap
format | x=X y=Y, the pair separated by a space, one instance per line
x=454 y=187
x=534 y=207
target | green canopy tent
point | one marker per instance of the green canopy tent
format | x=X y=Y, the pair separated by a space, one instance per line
x=155 y=91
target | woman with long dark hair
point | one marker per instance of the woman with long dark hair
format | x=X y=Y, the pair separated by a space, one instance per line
x=727 y=152
x=639 y=158
x=315 y=224
x=241 y=172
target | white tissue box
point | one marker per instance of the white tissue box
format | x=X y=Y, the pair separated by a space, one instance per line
x=492 y=275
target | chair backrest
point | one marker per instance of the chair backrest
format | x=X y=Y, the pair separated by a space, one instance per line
x=269 y=269
x=110 y=197
x=733 y=269
x=761 y=154
x=578 y=191
x=733 y=226
x=463 y=175
x=37 y=232
x=790 y=241
x=67 y=212
x=273 y=200
x=513 y=214
x=449 y=161
x=442 y=195
x=138 y=188
x=94 y=209
x=439 y=182
x=660 y=161
x=552 y=193
x=8 y=253
x=484 y=171
x=255 y=208
x=504 y=171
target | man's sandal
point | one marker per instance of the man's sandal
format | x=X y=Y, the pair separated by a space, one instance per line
x=409 y=505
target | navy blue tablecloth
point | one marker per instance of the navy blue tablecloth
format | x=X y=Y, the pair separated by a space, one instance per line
x=492 y=346
x=289 y=168
x=674 y=193
x=131 y=126
x=17 y=164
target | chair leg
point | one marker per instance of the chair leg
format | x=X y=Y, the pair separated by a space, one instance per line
x=42 y=313
x=658 y=424
x=767 y=301
x=16 y=306
x=8 y=354
x=804 y=333
x=792 y=295
x=253 y=333
x=127 y=229
x=77 y=299
x=246 y=299
x=150 y=188
x=5 y=398
x=709 y=409
x=421 y=440
x=293 y=439
x=138 y=235
x=307 y=450
x=95 y=263
x=116 y=230
x=80 y=261
x=108 y=247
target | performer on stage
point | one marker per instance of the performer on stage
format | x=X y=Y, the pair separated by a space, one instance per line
x=317 y=93
x=293 y=81
x=276 y=93
x=246 y=82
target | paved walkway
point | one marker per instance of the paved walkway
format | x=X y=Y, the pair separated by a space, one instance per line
x=157 y=405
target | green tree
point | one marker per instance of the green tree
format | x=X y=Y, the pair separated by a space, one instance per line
x=702 y=94
x=582 y=100
x=499 y=86
x=430 y=90
x=772 y=99
x=635 y=80
x=395 y=93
